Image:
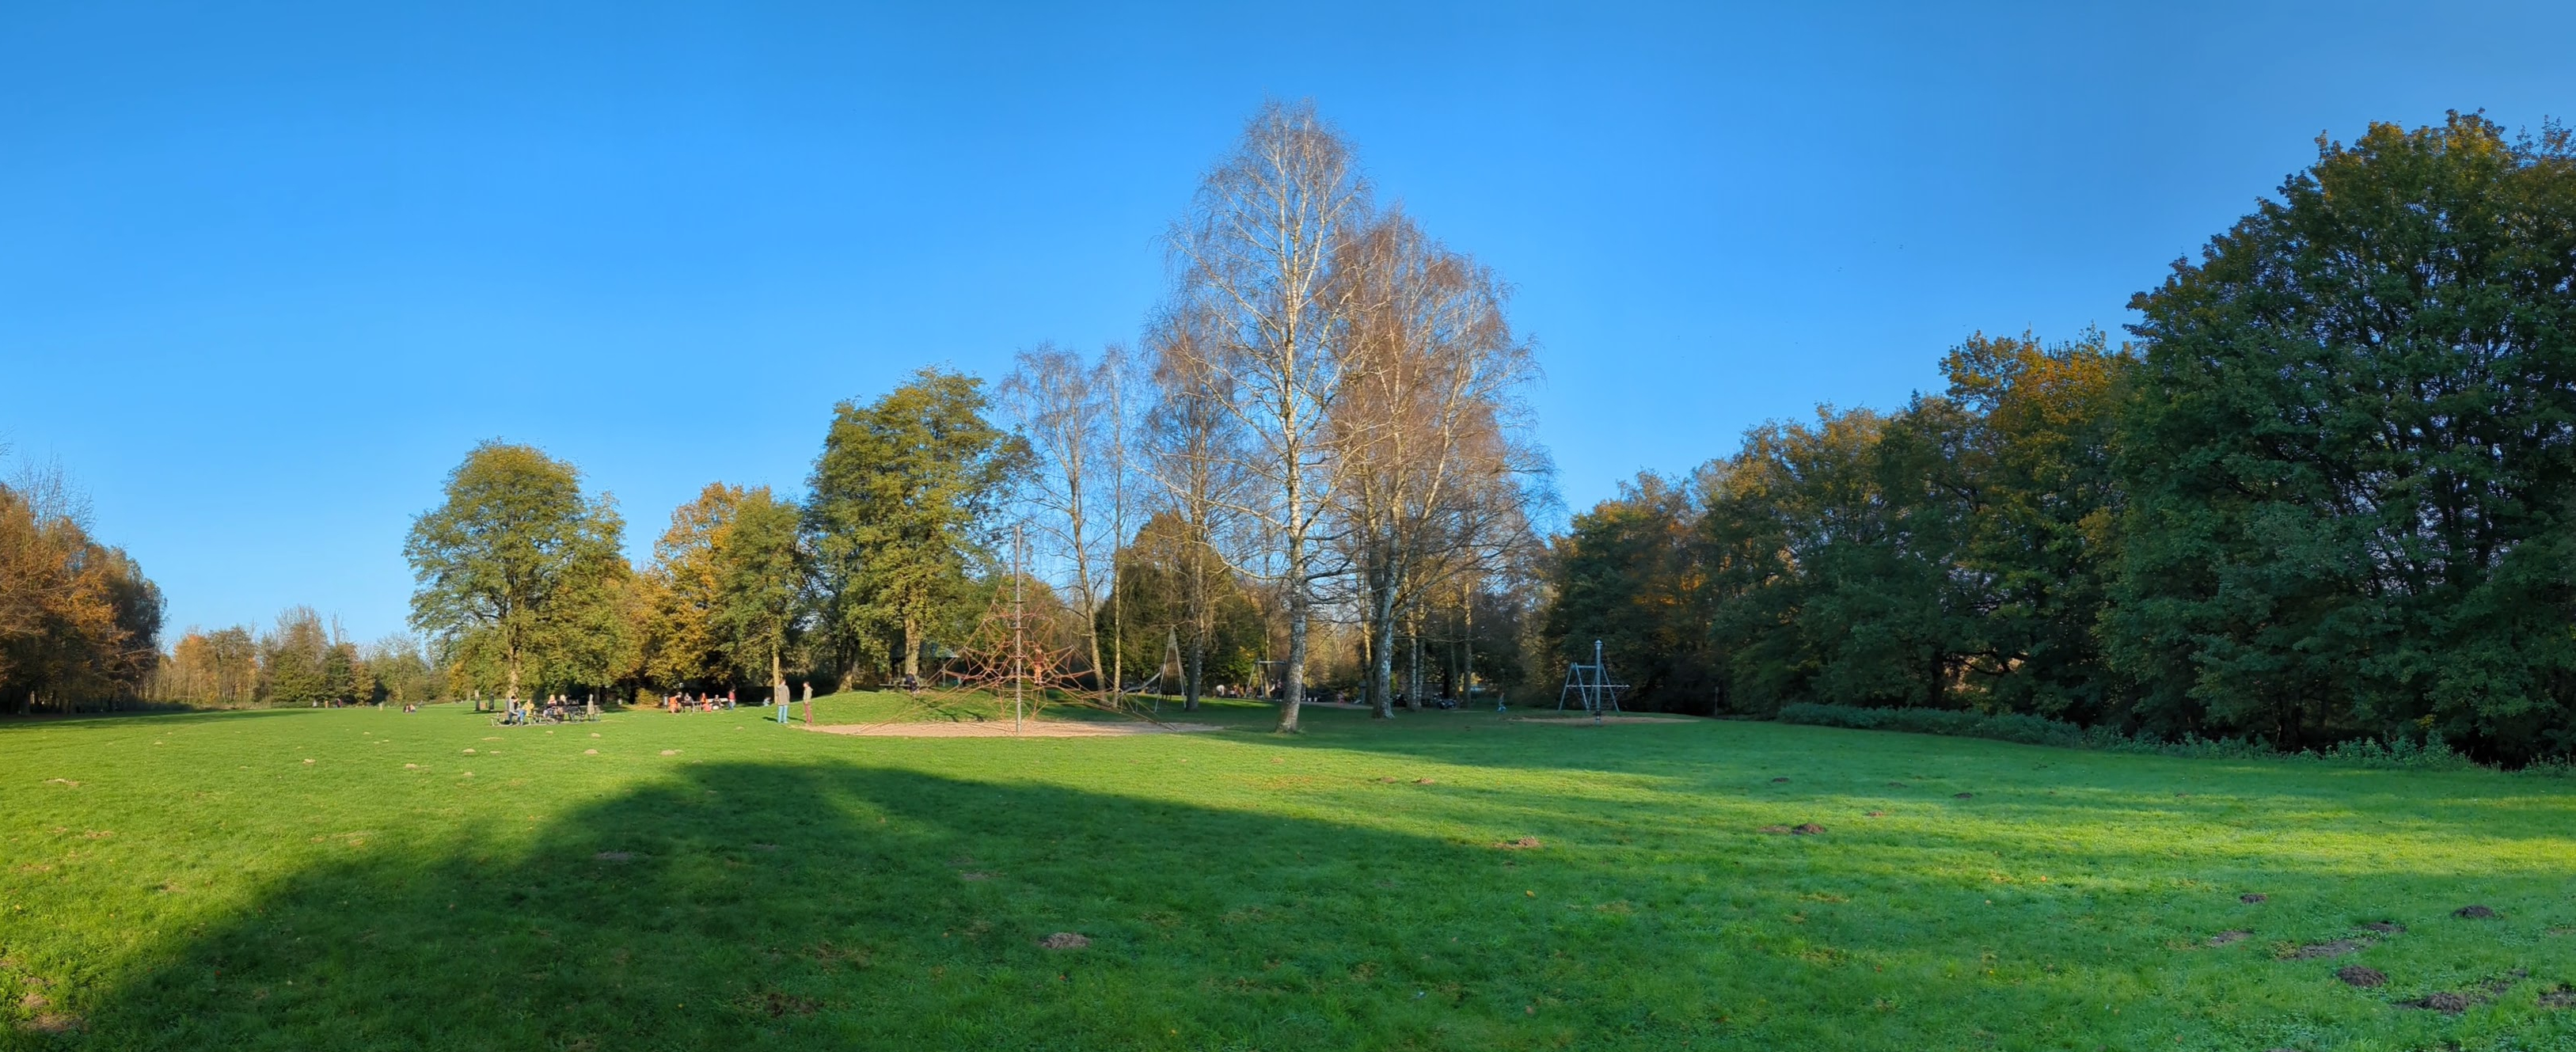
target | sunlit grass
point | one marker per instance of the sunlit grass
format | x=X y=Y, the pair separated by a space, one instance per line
x=713 y=879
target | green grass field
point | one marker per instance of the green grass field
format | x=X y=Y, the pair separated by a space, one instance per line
x=371 y=879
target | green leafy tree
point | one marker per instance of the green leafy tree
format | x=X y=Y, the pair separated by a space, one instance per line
x=904 y=498
x=683 y=588
x=518 y=572
x=761 y=586
x=2035 y=457
x=294 y=659
x=2346 y=456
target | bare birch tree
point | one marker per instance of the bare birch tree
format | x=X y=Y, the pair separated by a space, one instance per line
x=1190 y=454
x=1433 y=467
x=1058 y=401
x=1254 y=257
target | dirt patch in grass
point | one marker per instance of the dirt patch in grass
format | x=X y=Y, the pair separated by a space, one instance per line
x=1527 y=843
x=2475 y=913
x=2383 y=927
x=1587 y=721
x=2562 y=997
x=1806 y=829
x=997 y=729
x=1963 y=796
x=2335 y=948
x=2229 y=938
x=779 y=1005
x=1064 y=940
x=2443 y=1001
x=2365 y=978
x=974 y=876
x=2454 y=1002
x=2251 y=898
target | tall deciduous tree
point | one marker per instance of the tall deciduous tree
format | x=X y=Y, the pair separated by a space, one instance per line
x=1064 y=407
x=685 y=585
x=2347 y=456
x=1253 y=261
x=904 y=499
x=517 y=569
x=78 y=619
x=1191 y=454
x=1433 y=469
x=760 y=587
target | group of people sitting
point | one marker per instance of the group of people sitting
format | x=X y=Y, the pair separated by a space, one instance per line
x=516 y=713
x=699 y=703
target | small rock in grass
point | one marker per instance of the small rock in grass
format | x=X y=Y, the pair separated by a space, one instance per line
x=2228 y=937
x=2474 y=912
x=2365 y=978
x=2252 y=897
x=1064 y=940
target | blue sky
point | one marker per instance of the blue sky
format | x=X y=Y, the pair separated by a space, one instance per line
x=267 y=272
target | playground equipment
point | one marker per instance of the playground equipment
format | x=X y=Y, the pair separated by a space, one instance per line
x=1016 y=654
x=1590 y=686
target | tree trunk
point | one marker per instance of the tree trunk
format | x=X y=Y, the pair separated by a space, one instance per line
x=911 y=664
x=514 y=675
x=1190 y=678
x=1413 y=691
x=1292 y=683
x=1381 y=661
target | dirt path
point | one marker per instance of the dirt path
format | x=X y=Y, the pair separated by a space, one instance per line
x=1002 y=729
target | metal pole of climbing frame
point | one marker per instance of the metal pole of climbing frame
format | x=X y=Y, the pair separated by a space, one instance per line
x=1018 y=646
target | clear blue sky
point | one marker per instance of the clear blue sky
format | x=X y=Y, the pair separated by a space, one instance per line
x=266 y=274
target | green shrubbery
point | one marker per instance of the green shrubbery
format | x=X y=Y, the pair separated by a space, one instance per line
x=2432 y=755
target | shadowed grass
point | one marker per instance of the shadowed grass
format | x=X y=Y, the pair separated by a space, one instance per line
x=713 y=879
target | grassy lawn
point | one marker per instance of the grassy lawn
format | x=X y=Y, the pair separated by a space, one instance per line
x=370 y=879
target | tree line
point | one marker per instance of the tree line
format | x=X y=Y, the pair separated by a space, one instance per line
x=2326 y=493
x=79 y=621
x=1315 y=461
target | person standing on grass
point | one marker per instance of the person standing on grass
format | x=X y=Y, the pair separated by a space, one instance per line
x=782 y=708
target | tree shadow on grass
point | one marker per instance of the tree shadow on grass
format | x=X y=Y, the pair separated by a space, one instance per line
x=819 y=905
x=770 y=905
